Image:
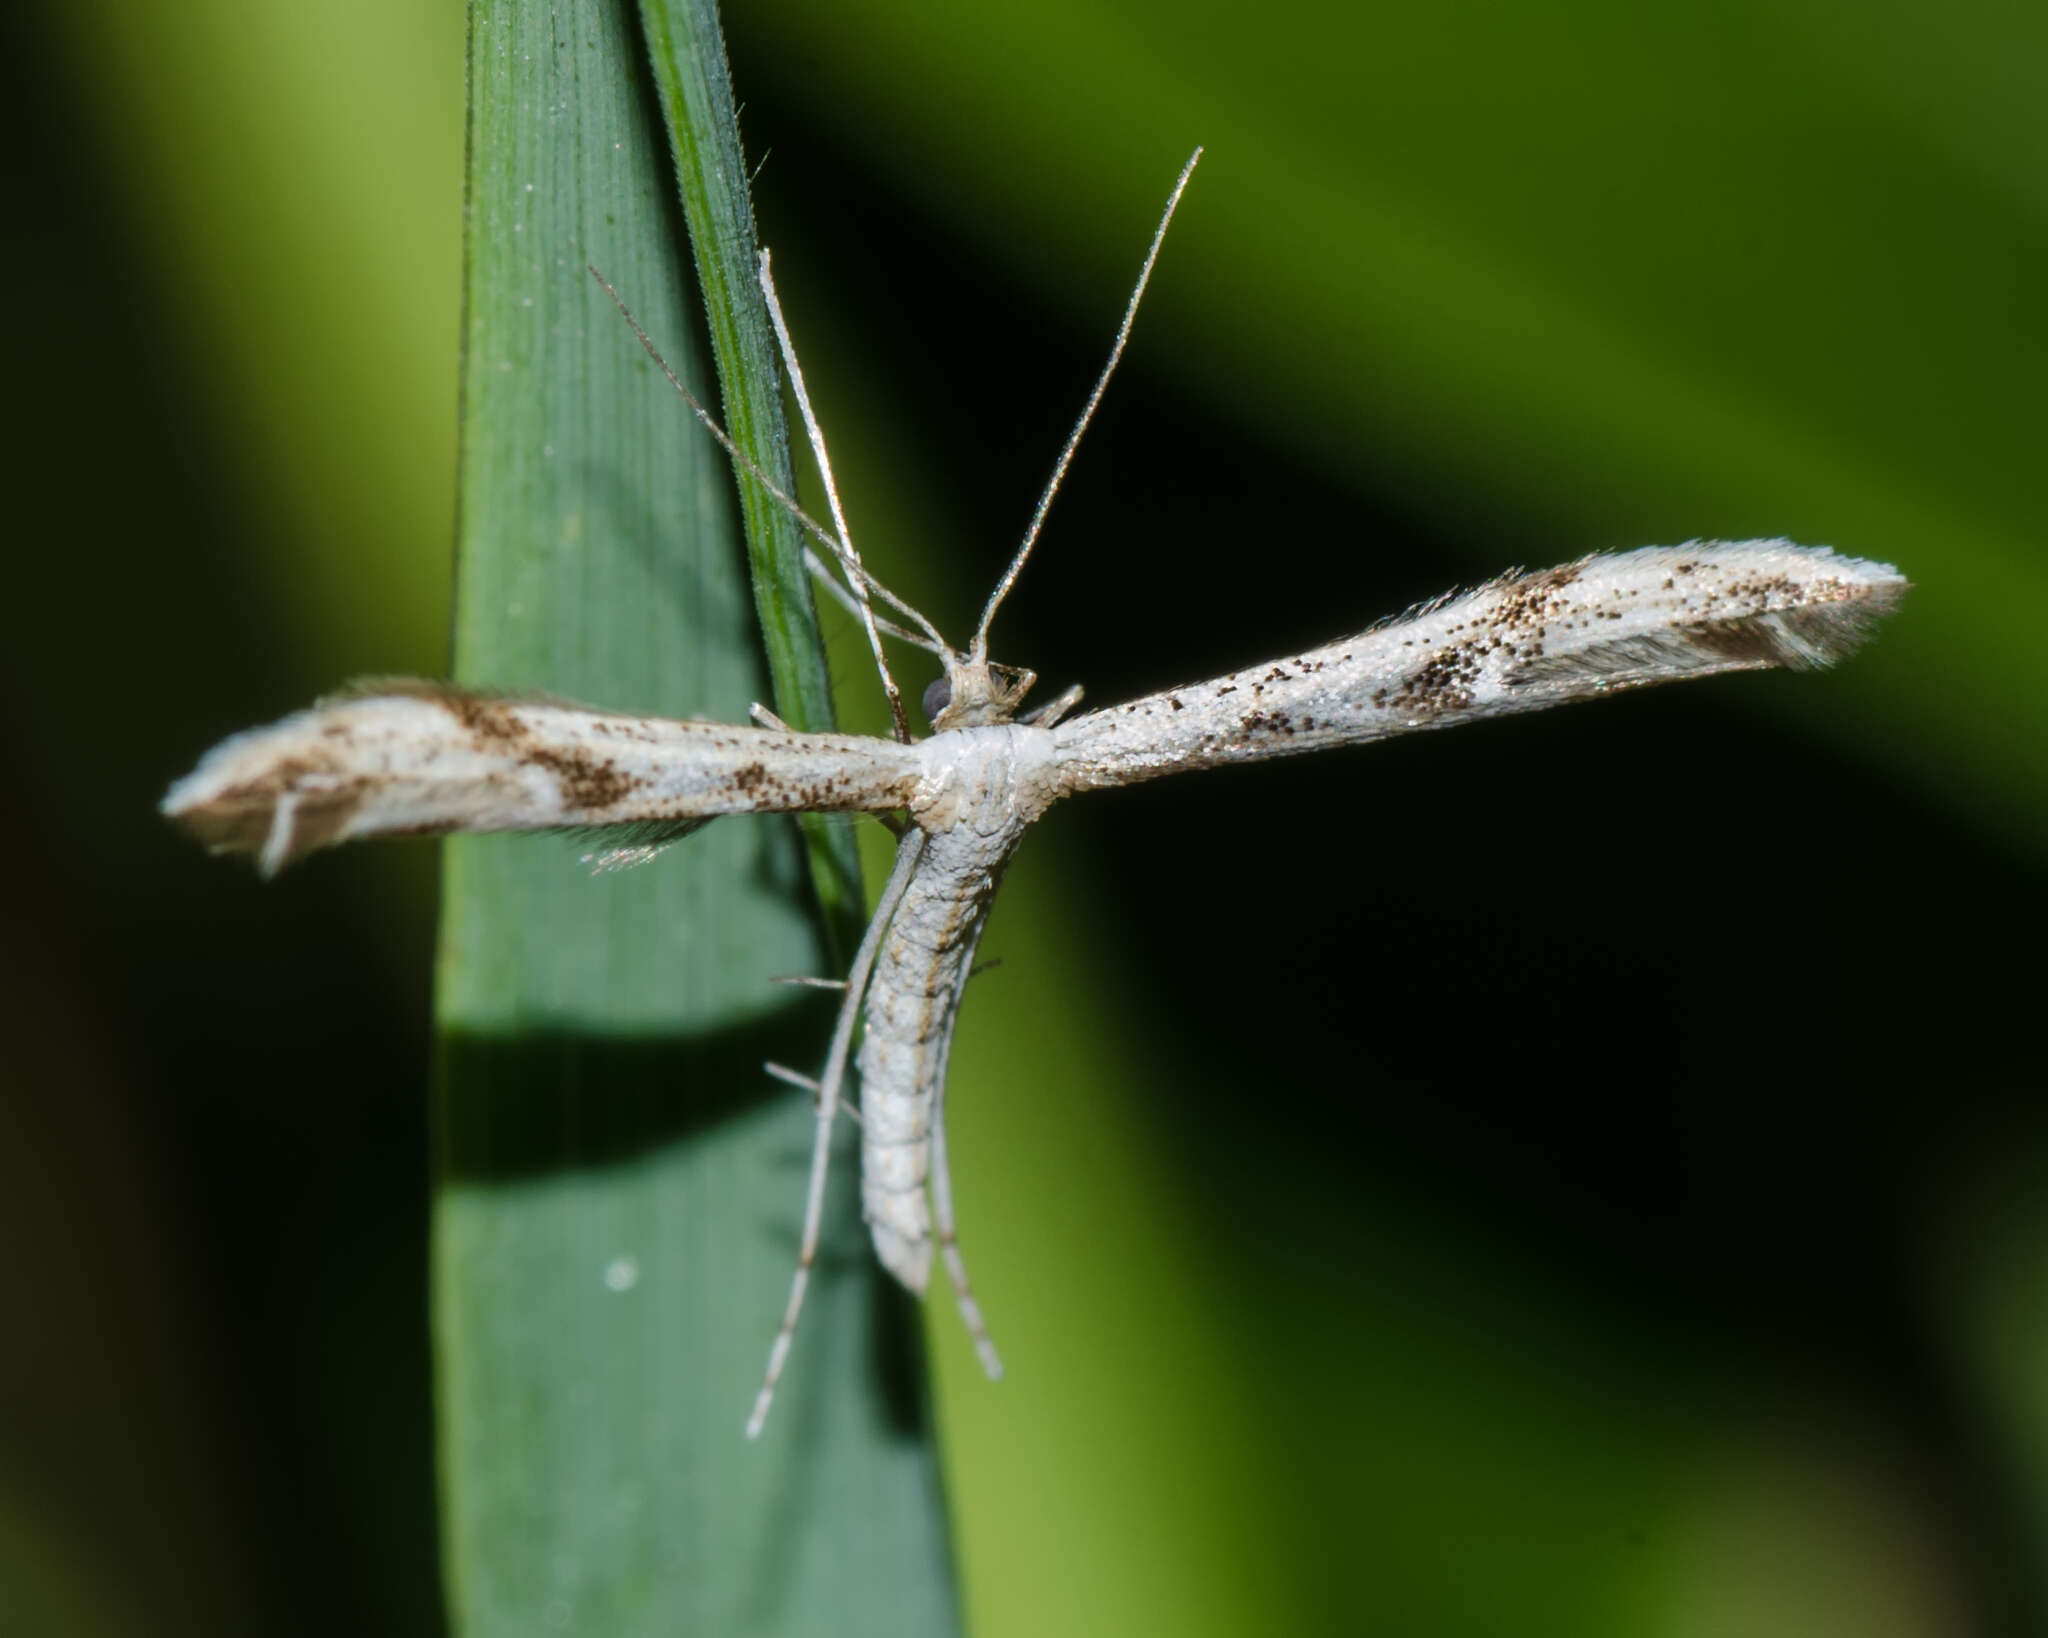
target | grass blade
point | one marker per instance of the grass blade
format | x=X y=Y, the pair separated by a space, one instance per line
x=619 y=1184
x=686 y=54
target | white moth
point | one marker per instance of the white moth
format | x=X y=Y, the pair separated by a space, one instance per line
x=416 y=759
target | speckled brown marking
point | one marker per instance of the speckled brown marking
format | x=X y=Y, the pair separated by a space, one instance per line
x=1443 y=682
x=1268 y=722
x=1526 y=601
x=1765 y=592
x=588 y=783
x=490 y=720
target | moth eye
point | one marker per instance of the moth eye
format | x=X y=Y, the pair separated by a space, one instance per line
x=938 y=694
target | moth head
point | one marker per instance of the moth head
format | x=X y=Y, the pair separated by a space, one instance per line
x=975 y=693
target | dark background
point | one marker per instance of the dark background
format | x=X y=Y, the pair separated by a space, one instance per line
x=1697 y=1039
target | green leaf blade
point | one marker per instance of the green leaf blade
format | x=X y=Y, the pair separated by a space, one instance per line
x=619 y=1184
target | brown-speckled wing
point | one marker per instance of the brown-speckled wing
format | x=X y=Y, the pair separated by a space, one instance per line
x=1520 y=643
x=419 y=760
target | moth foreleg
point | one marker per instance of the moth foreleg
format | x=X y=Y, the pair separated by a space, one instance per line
x=1048 y=714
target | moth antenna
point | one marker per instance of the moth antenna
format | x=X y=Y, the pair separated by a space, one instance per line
x=859 y=571
x=854 y=570
x=848 y=551
x=979 y=651
x=844 y=599
x=745 y=461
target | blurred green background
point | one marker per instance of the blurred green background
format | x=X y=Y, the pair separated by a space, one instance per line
x=1583 y=1175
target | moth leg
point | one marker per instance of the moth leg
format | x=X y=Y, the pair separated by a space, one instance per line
x=828 y=1108
x=1050 y=713
x=848 y=552
x=796 y=1077
x=277 y=846
x=762 y=717
x=949 y=1244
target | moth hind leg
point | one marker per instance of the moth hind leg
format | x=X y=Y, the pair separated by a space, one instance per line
x=945 y=1232
x=829 y=1104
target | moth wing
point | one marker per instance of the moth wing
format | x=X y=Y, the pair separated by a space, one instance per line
x=1519 y=643
x=430 y=761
